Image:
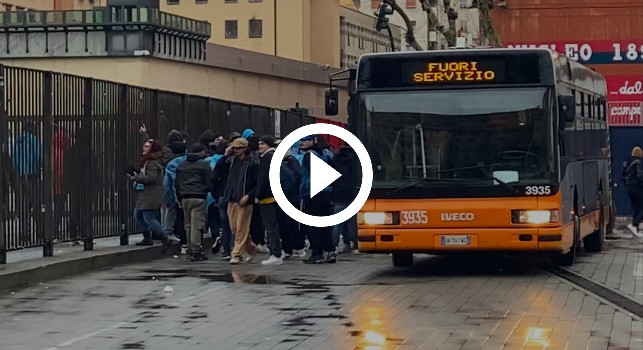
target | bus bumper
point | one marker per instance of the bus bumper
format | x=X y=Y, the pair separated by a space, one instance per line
x=431 y=240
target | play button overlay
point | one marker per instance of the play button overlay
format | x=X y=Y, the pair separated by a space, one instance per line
x=321 y=176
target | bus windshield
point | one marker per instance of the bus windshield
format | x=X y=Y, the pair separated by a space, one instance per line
x=463 y=137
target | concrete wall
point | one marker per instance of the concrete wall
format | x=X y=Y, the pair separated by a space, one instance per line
x=31 y=4
x=278 y=83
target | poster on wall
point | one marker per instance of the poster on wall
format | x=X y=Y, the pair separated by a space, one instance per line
x=625 y=100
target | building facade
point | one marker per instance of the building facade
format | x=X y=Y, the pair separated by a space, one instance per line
x=303 y=30
x=358 y=36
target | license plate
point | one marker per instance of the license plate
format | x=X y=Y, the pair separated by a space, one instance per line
x=455 y=240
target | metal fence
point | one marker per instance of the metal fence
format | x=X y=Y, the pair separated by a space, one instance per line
x=67 y=141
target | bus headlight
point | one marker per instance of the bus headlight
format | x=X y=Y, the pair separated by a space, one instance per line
x=375 y=218
x=534 y=216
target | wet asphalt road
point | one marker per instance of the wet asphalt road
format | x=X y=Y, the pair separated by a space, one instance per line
x=362 y=302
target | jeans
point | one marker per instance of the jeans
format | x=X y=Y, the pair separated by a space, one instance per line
x=168 y=218
x=194 y=213
x=636 y=198
x=214 y=222
x=348 y=228
x=269 y=220
x=226 y=233
x=148 y=221
x=321 y=238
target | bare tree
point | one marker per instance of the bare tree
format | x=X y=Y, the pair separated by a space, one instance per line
x=486 y=25
x=449 y=32
x=410 y=35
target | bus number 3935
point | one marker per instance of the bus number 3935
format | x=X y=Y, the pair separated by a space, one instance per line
x=537 y=190
x=414 y=217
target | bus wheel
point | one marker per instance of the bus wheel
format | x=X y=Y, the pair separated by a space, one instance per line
x=596 y=240
x=402 y=259
x=568 y=258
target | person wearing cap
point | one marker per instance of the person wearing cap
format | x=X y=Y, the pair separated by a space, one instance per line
x=240 y=193
x=266 y=201
x=633 y=175
x=321 y=240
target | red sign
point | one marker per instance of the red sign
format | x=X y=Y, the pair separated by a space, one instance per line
x=625 y=88
x=625 y=113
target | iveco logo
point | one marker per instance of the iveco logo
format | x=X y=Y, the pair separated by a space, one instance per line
x=457 y=216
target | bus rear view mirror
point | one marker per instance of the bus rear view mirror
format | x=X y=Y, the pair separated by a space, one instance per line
x=567 y=108
x=331 y=104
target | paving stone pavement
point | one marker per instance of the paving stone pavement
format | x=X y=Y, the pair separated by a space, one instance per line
x=619 y=266
x=362 y=302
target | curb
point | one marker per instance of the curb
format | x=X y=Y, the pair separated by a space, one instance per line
x=32 y=272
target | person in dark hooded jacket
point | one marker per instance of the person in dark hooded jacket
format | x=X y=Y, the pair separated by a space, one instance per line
x=208 y=140
x=193 y=183
x=174 y=147
x=633 y=175
x=343 y=194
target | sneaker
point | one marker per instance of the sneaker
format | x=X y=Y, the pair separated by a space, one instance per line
x=225 y=256
x=216 y=245
x=286 y=256
x=198 y=256
x=262 y=248
x=315 y=260
x=184 y=249
x=300 y=253
x=273 y=260
x=633 y=228
x=173 y=237
x=331 y=257
x=346 y=248
x=145 y=241
x=234 y=261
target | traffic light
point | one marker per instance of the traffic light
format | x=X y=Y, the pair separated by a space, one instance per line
x=382 y=21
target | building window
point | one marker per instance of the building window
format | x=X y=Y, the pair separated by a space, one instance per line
x=411 y=4
x=255 y=0
x=230 y=1
x=201 y=1
x=231 y=29
x=173 y=2
x=255 y=28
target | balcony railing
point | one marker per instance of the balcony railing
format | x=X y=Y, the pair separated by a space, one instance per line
x=99 y=18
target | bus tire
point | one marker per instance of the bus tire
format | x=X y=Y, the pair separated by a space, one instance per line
x=596 y=240
x=567 y=259
x=402 y=259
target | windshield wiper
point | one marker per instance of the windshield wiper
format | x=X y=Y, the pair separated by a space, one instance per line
x=421 y=181
x=504 y=184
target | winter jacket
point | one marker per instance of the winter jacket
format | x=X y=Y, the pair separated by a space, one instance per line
x=264 y=192
x=345 y=187
x=633 y=173
x=193 y=178
x=212 y=161
x=27 y=154
x=150 y=196
x=248 y=170
x=290 y=173
x=170 y=179
x=305 y=171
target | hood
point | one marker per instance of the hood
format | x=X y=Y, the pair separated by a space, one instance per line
x=195 y=157
x=207 y=137
x=174 y=136
x=246 y=133
x=177 y=147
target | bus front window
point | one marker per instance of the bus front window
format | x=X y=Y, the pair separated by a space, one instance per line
x=460 y=136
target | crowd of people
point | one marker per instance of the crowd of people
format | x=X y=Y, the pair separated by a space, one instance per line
x=222 y=186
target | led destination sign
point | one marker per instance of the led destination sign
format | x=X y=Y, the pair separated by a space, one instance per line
x=453 y=71
x=425 y=70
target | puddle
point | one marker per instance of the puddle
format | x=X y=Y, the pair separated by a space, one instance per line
x=170 y=274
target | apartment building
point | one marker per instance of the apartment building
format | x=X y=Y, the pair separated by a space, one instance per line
x=426 y=33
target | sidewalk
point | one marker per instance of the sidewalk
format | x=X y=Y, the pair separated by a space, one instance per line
x=28 y=267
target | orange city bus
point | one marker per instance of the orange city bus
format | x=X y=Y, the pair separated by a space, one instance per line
x=502 y=150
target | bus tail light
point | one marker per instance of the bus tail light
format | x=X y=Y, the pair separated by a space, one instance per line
x=534 y=216
x=377 y=218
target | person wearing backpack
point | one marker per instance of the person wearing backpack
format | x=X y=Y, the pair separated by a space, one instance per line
x=633 y=174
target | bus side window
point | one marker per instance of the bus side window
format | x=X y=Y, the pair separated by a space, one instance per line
x=590 y=106
x=581 y=103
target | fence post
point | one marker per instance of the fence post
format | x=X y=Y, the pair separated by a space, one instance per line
x=121 y=147
x=46 y=190
x=4 y=191
x=87 y=210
